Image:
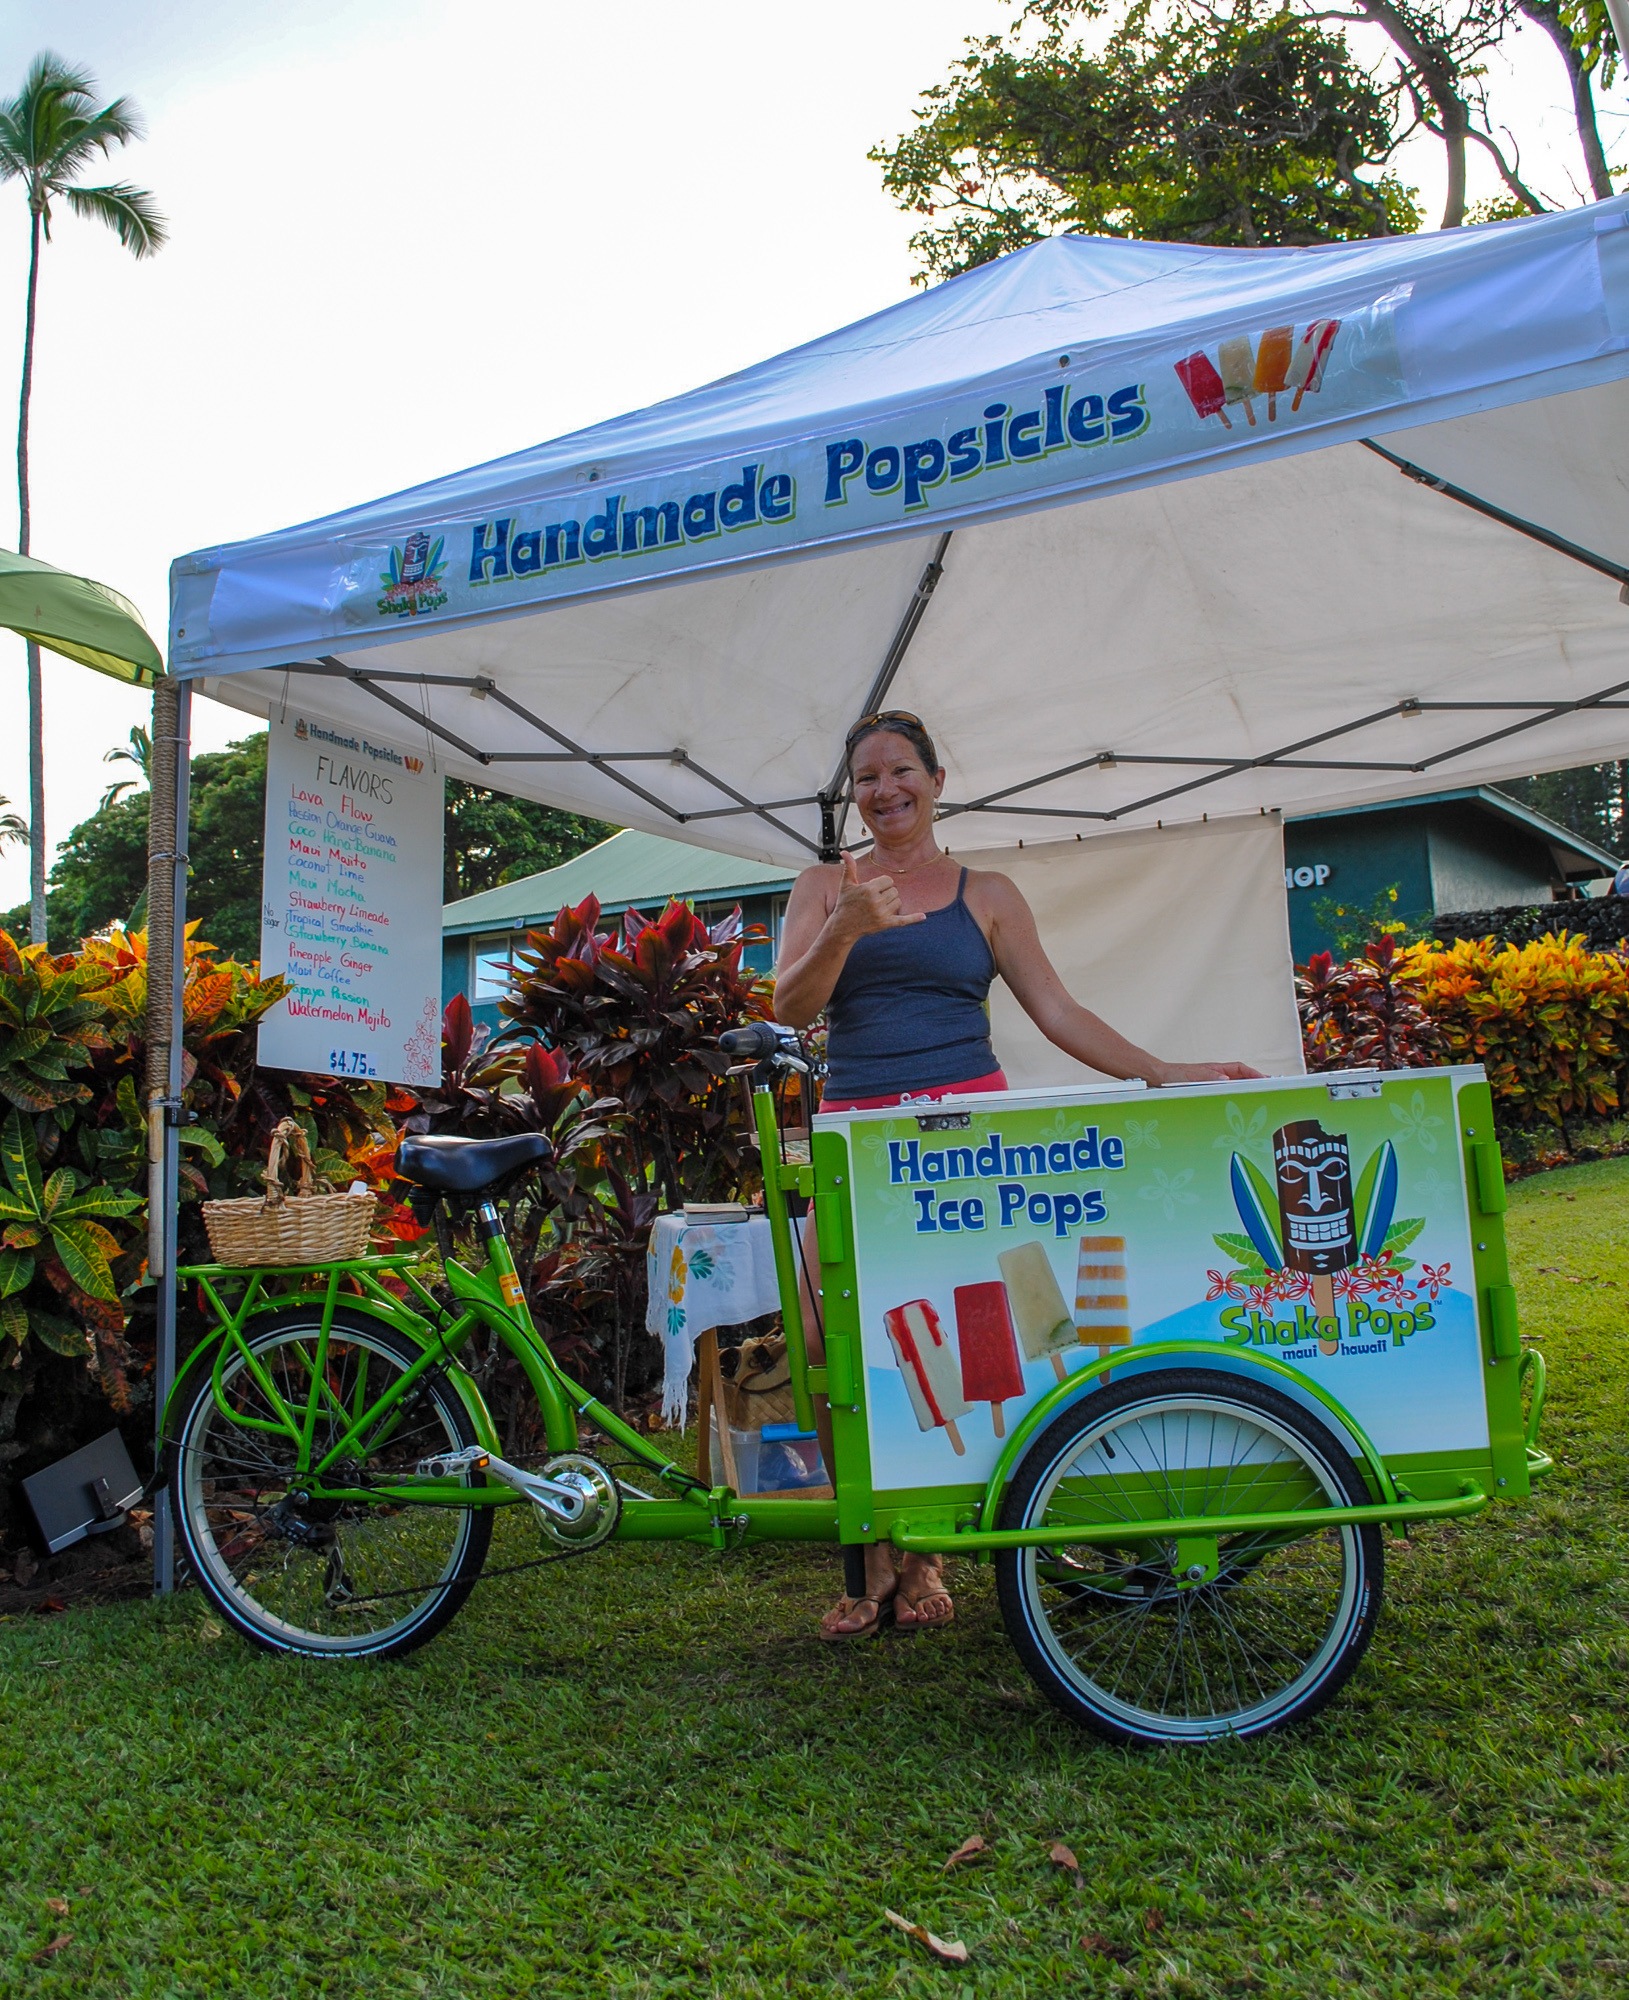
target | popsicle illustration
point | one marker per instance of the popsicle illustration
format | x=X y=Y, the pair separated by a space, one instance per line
x=1044 y=1322
x=991 y=1370
x=1102 y=1303
x=1236 y=359
x=1307 y=363
x=1314 y=1173
x=1204 y=387
x=1273 y=365
x=929 y=1368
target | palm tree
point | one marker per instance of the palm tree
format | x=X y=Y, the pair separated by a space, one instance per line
x=13 y=827
x=49 y=133
x=140 y=754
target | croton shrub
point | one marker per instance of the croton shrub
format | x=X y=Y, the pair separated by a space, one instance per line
x=1549 y=1020
x=637 y=1012
x=76 y=1316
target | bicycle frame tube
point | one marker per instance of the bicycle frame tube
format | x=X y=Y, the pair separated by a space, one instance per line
x=485 y=1297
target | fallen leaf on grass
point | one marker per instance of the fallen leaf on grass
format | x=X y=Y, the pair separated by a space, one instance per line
x=48 y=1604
x=209 y=1630
x=58 y=1943
x=969 y=1850
x=1153 y=1920
x=1064 y=1857
x=1098 y=1946
x=950 y=1951
x=57 y=1905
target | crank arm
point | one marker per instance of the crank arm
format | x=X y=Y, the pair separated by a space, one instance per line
x=566 y=1503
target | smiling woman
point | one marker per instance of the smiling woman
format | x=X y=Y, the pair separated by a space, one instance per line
x=901 y=950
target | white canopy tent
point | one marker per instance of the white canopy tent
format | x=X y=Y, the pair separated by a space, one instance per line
x=1161 y=541
x=1402 y=563
x=984 y=505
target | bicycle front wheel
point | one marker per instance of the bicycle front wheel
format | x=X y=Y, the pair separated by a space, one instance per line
x=1170 y=1642
x=299 y=1574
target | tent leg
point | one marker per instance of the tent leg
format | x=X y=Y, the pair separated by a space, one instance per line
x=166 y=980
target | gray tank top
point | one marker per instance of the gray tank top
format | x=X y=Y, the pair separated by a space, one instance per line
x=908 y=1011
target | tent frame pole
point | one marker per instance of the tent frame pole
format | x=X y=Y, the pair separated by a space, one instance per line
x=1603 y=565
x=836 y=793
x=166 y=976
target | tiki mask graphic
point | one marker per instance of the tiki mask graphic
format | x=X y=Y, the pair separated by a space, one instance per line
x=1314 y=1173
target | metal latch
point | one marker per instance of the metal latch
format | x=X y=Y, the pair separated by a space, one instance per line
x=943 y=1121
x=1356 y=1086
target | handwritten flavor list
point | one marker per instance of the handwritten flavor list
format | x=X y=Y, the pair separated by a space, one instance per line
x=351 y=904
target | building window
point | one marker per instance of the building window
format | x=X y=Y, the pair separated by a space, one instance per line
x=491 y=965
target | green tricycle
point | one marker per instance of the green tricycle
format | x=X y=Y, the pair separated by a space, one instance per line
x=1171 y=1359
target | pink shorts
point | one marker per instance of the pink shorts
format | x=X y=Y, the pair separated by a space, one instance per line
x=994 y=1081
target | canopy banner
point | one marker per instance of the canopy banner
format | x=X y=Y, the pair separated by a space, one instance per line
x=1039 y=431
x=353 y=858
x=1017 y=402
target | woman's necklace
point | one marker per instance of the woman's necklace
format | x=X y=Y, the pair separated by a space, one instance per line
x=906 y=867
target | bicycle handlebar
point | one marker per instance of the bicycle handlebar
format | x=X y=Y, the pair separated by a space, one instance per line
x=759 y=1041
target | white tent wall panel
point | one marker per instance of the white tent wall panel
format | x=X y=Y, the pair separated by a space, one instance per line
x=1178 y=937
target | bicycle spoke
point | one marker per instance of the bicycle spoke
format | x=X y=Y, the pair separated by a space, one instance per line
x=1164 y=1652
x=300 y=1570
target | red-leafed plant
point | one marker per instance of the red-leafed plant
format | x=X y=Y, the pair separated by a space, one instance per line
x=637 y=1013
x=1367 y=1013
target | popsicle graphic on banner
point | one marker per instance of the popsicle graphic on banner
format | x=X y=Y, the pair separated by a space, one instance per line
x=1102 y=1295
x=932 y=1379
x=1045 y=1324
x=1273 y=366
x=1205 y=388
x=1236 y=364
x=1275 y=363
x=991 y=1370
x=1307 y=368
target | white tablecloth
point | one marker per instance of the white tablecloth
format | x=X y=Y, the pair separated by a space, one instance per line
x=701 y=1275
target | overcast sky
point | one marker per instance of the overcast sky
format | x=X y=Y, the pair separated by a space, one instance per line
x=409 y=236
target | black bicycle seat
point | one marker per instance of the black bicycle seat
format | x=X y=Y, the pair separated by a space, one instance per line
x=465 y=1166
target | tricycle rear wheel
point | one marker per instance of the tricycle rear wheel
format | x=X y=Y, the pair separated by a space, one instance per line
x=330 y=1579
x=1130 y=1638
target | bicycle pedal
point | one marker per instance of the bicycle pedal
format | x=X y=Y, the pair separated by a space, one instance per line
x=453 y=1464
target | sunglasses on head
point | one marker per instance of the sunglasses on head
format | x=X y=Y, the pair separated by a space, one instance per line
x=881 y=719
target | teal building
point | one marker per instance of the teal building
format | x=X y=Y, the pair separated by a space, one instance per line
x=1473 y=849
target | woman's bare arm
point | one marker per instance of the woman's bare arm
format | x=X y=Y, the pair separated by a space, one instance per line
x=828 y=911
x=1022 y=961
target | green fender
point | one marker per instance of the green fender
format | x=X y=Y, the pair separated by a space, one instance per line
x=1083 y=1380
x=402 y=1319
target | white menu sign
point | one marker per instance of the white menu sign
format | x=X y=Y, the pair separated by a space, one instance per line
x=351 y=909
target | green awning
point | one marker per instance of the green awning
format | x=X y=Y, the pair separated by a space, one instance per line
x=79 y=618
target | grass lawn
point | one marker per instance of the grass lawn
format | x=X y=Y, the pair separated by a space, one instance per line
x=639 y=1775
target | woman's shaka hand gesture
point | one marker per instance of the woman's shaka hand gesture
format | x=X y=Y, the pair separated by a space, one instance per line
x=864 y=907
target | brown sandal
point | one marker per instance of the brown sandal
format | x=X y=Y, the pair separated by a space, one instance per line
x=845 y=1607
x=916 y=1597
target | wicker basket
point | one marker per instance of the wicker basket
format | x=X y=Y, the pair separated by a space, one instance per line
x=311 y=1226
x=758 y=1390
